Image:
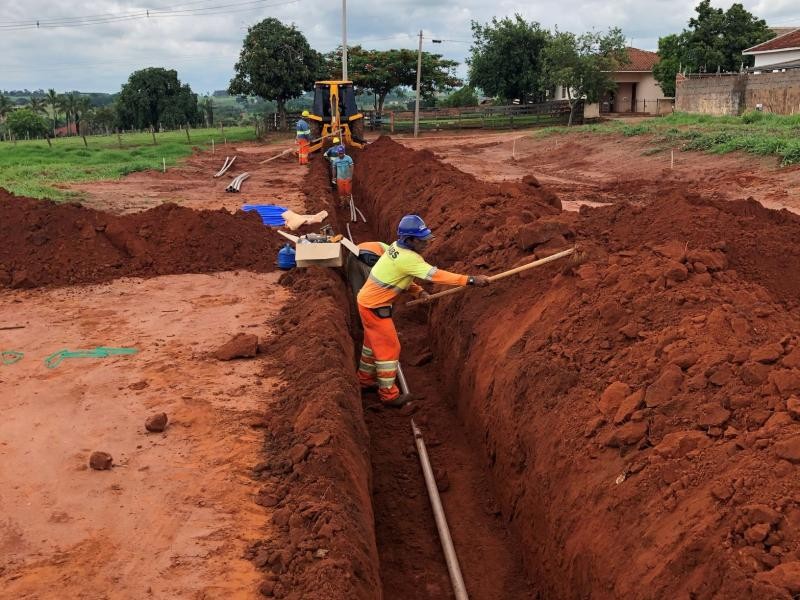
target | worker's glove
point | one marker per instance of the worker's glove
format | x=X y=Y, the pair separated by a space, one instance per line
x=478 y=280
x=422 y=295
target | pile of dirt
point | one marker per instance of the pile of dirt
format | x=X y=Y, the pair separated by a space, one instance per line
x=472 y=219
x=316 y=476
x=640 y=411
x=62 y=244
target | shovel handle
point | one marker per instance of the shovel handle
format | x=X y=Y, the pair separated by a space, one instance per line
x=503 y=275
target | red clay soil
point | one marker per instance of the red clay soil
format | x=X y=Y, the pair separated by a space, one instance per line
x=639 y=412
x=63 y=244
x=316 y=474
x=411 y=560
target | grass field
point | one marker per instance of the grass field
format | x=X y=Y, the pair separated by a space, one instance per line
x=476 y=121
x=755 y=132
x=32 y=168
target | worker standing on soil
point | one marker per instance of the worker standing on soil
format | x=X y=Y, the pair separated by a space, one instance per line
x=332 y=154
x=394 y=273
x=303 y=138
x=344 y=172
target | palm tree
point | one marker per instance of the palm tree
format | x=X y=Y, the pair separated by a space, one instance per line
x=53 y=101
x=6 y=106
x=68 y=105
x=37 y=105
x=83 y=106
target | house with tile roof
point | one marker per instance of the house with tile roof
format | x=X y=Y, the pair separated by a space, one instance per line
x=637 y=89
x=781 y=52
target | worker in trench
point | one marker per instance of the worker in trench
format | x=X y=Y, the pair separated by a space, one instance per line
x=303 y=138
x=392 y=274
x=332 y=155
x=343 y=166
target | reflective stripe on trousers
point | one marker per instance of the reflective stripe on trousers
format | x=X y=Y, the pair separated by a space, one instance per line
x=381 y=349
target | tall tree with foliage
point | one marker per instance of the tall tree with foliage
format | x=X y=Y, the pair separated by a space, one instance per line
x=275 y=63
x=381 y=71
x=53 y=101
x=583 y=64
x=6 y=106
x=37 y=105
x=155 y=97
x=714 y=41
x=207 y=106
x=69 y=104
x=506 y=58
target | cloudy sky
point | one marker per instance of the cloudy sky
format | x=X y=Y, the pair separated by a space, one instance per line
x=105 y=40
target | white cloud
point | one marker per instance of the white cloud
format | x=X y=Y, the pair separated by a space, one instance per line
x=203 y=49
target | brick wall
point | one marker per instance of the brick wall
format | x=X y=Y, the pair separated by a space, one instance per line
x=735 y=94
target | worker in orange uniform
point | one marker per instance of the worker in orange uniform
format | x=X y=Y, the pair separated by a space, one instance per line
x=394 y=273
x=303 y=138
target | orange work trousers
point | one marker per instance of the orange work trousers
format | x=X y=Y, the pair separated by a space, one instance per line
x=379 y=354
x=302 y=152
x=344 y=186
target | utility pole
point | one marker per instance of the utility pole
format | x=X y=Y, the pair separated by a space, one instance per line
x=344 y=40
x=419 y=79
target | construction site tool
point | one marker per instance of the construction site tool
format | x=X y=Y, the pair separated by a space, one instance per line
x=450 y=556
x=493 y=278
x=56 y=358
x=289 y=150
x=9 y=357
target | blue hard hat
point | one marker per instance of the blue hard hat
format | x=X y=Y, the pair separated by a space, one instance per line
x=340 y=149
x=413 y=226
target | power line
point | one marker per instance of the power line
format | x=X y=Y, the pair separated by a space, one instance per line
x=177 y=11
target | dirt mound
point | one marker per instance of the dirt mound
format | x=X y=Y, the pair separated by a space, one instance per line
x=639 y=412
x=62 y=244
x=316 y=476
x=472 y=219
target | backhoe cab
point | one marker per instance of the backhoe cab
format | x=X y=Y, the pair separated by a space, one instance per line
x=335 y=114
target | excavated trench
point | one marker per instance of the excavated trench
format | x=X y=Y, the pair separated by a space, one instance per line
x=411 y=561
x=620 y=427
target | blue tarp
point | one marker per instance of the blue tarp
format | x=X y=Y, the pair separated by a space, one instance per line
x=270 y=213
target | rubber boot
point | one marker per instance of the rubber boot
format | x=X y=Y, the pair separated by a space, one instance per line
x=400 y=401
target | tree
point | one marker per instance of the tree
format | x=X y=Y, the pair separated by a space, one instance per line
x=154 y=97
x=24 y=122
x=54 y=102
x=276 y=63
x=506 y=58
x=207 y=106
x=583 y=64
x=69 y=104
x=6 y=106
x=714 y=41
x=670 y=51
x=466 y=96
x=83 y=106
x=37 y=105
x=381 y=71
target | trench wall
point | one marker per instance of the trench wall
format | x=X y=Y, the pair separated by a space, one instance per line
x=632 y=408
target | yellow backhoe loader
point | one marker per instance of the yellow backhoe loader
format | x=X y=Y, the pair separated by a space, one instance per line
x=334 y=113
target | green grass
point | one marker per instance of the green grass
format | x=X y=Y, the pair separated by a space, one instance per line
x=475 y=121
x=32 y=168
x=758 y=133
